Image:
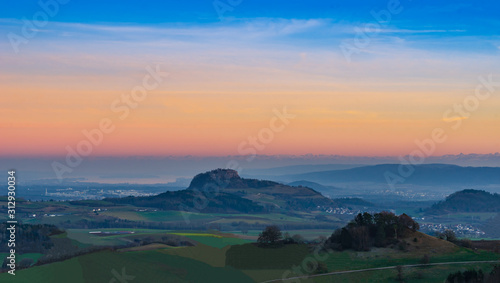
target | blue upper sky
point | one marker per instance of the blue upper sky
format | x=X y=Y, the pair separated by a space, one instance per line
x=433 y=25
x=476 y=17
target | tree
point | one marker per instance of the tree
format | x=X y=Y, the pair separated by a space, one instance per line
x=400 y=275
x=380 y=236
x=448 y=235
x=334 y=241
x=298 y=239
x=389 y=220
x=244 y=230
x=425 y=259
x=345 y=239
x=359 y=220
x=469 y=276
x=367 y=218
x=287 y=239
x=364 y=219
x=406 y=222
x=270 y=236
x=494 y=276
x=360 y=238
x=473 y=276
x=322 y=268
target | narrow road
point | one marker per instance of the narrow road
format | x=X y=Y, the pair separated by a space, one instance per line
x=380 y=268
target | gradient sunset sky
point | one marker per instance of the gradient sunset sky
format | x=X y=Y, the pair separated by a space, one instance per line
x=228 y=74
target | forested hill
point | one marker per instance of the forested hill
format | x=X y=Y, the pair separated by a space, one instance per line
x=224 y=191
x=467 y=201
x=267 y=193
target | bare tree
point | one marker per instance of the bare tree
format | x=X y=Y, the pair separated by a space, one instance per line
x=270 y=236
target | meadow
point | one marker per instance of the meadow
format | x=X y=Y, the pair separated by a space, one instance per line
x=222 y=257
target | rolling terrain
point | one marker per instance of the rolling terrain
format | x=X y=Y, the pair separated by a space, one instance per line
x=153 y=239
x=222 y=257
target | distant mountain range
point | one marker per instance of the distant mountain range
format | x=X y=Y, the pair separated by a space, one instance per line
x=467 y=201
x=426 y=174
x=296 y=169
x=171 y=167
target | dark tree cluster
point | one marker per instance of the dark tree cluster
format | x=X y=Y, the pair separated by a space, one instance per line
x=469 y=276
x=475 y=276
x=29 y=238
x=367 y=230
x=272 y=237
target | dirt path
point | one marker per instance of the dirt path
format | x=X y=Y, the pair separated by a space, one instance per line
x=380 y=268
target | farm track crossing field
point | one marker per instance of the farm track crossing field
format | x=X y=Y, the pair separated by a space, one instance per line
x=433 y=274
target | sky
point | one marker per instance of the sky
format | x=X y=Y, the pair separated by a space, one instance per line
x=356 y=78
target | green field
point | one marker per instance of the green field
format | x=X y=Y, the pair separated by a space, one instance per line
x=131 y=213
x=250 y=256
x=307 y=234
x=246 y=263
x=83 y=236
x=143 y=266
x=217 y=241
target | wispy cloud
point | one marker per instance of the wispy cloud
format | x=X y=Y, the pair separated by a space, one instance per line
x=457 y=118
x=417 y=31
